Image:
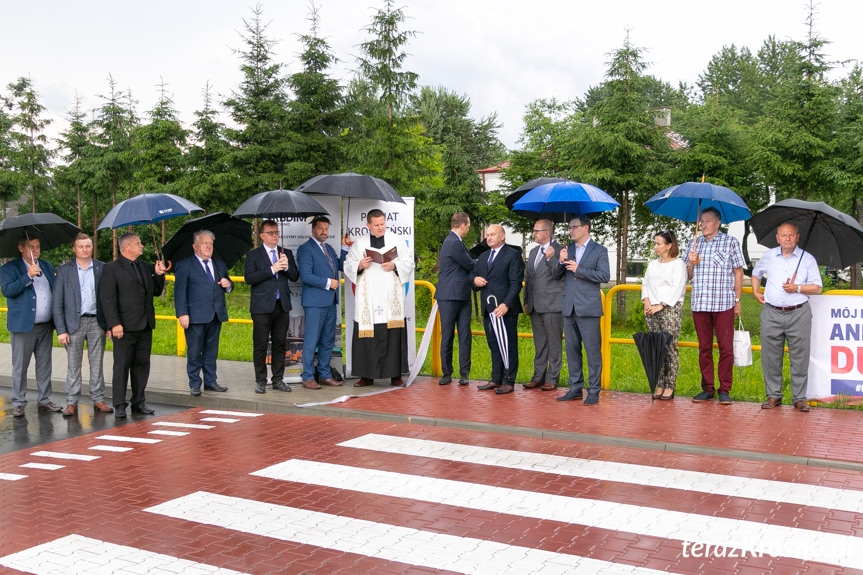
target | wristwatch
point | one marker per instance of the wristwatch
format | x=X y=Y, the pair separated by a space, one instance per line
x=737 y=300
x=798 y=289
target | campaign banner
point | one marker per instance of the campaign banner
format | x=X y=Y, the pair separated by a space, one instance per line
x=293 y=233
x=836 y=353
x=400 y=221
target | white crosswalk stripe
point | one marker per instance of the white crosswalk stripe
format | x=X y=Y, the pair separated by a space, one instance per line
x=380 y=540
x=220 y=419
x=717 y=484
x=759 y=537
x=183 y=425
x=74 y=554
x=113 y=448
x=231 y=413
x=45 y=466
x=169 y=432
x=11 y=476
x=58 y=455
x=128 y=439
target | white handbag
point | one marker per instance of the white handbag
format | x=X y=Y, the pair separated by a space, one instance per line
x=742 y=346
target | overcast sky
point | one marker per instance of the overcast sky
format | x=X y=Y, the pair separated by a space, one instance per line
x=502 y=53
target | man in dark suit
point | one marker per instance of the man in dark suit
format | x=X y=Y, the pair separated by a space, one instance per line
x=268 y=270
x=319 y=269
x=199 y=301
x=79 y=319
x=499 y=273
x=128 y=287
x=452 y=293
x=542 y=302
x=584 y=266
x=27 y=283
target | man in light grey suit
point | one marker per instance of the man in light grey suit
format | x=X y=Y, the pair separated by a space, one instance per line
x=542 y=302
x=78 y=318
x=584 y=266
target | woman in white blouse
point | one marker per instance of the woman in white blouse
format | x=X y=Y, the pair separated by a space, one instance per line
x=662 y=291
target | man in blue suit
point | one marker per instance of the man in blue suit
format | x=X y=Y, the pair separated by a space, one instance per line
x=584 y=266
x=452 y=293
x=319 y=270
x=27 y=283
x=269 y=269
x=499 y=273
x=201 y=282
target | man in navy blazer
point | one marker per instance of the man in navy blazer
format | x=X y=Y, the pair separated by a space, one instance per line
x=200 y=284
x=79 y=319
x=27 y=283
x=452 y=293
x=269 y=269
x=584 y=266
x=499 y=273
x=319 y=270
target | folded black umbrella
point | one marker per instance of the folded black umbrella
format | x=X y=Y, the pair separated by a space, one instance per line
x=652 y=347
x=50 y=229
x=233 y=238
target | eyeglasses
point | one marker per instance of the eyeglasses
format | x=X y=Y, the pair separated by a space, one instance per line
x=271 y=233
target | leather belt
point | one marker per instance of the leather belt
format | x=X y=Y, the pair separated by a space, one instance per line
x=789 y=308
x=88 y=315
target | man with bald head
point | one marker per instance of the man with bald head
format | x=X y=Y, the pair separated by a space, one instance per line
x=792 y=276
x=498 y=274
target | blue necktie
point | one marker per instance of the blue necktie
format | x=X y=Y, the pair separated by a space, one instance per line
x=275 y=259
x=209 y=271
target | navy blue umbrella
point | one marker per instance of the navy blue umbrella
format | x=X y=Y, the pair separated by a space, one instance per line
x=685 y=202
x=148 y=209
x=560 y=201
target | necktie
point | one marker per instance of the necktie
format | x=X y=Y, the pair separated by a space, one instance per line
x=491 y=257
x=139 y=272
x=209 y=271
x=273 y=252
x=540 y=255
x=329 y=258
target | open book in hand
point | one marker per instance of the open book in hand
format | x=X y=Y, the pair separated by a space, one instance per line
x=381 y=257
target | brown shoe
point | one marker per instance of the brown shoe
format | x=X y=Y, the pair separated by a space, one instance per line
x=50 y=407
x=364 y=382
x=532 y=385
x=331 y=381
x=771 y=403
x=548 y=387
x=102 y=407
x=311 y=384
x=488 y=386
x=397 y=381
x=503 y=390
x=70 y=410
x=801 y=406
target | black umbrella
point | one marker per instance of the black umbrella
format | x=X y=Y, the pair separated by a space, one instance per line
x=516 y=194
x=652 y=347
x=233 y=238
x=835 y=239
x=351 y=185
x=50 y=229
x=280 y=204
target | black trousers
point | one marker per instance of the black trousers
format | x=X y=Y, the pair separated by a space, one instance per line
x=266 y=326
x=454 y=313
x=131 y=361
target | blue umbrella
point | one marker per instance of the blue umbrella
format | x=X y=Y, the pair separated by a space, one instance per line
x=559 y=201
x=686 y=201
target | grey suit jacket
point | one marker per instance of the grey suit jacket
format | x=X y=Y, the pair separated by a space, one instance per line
x=581 y=290
x=67 y=298
x=542 y=291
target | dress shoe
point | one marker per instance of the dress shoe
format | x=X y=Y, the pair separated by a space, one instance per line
x=591 y=399
x=18 y=411
x=282 y=386
x=771 y=403
x=143 y=409
x=667 y=396
x=332 y=382
x=195 y=391
x=215 y=387
x=703 y=397
x=119 y=413
x=548 y=387
x=533 y=385
x=574 y=394
x=397 y=381
x=444 y=380
x=311 y=384
x=503 y=390
x=102 y=407
x=261 y=387
x=465 y=380
x=364 y=382
x=488 y=386
x=724 y=399
x=50 y=408
x=801 y=406
x=70 y=410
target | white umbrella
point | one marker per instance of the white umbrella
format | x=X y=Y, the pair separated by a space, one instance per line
x=500 y=333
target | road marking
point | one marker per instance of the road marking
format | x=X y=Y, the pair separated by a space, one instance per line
x=114 y=448
x=45 y=466
x=129 y=439
x=380 y=540
x=11 y=476
x=57 y=455
x=75 y=554
x=733 y=486
x=169 y=432
x=220 y=419
x=184 y=425
x=231 y=413
x=730 y=533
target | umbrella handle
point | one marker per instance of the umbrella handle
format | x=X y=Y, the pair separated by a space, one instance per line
x=168 y=265
x=697 y=221
x=492 y=297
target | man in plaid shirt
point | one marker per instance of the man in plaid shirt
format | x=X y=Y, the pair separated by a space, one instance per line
x=715 y=267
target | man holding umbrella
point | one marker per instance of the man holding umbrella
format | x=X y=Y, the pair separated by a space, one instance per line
x=27 y=283
x=715 y=267
x=792 y=276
